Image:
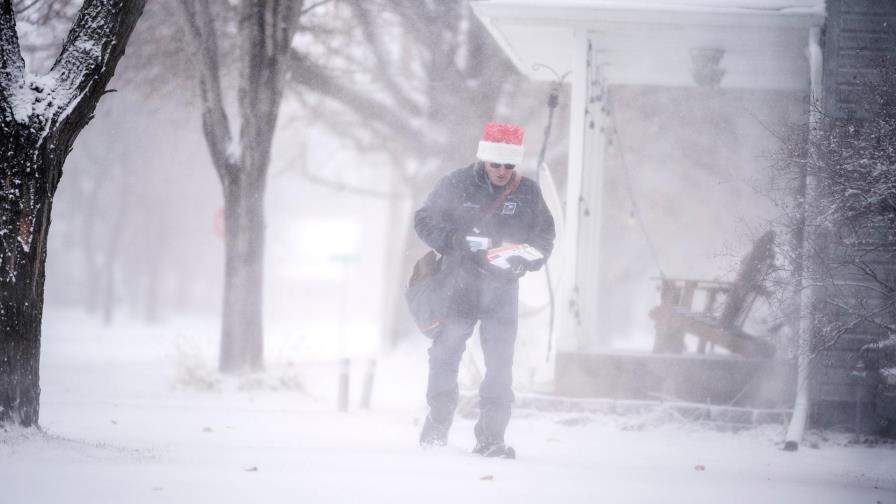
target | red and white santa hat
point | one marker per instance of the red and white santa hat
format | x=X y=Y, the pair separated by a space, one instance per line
x=501 y=143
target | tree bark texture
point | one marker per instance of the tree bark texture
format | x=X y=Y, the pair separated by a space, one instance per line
x=24 y=222
x=40 y=117
x=265 y=30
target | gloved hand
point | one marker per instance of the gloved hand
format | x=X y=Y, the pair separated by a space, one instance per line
x=518 y=266
x=535 y=265
x=459 y=242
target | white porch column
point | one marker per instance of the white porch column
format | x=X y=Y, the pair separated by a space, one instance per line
x=577 y=316
x=566 y=328
x=590 y=215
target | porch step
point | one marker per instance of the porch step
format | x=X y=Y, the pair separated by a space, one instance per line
x=684 y=410
x=575 y=409
x=715 y=380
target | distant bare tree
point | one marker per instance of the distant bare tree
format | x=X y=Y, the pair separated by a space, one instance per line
x=40 y=118
x=264 y=31
x=105 y=200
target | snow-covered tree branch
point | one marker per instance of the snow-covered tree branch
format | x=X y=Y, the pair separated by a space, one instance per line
x=202 y=38
x=852 y=215
x=12 y=68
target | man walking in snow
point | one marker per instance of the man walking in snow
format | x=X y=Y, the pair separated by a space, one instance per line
x=481 y=206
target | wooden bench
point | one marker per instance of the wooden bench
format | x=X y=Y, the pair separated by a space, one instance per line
x=725 y=308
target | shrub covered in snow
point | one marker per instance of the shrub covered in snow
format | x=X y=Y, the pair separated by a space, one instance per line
x=837 y=189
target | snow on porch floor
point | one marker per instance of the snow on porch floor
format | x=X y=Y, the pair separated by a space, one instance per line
x=121 y=427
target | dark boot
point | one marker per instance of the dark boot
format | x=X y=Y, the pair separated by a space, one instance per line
x=433 y=434
x=497 y=450
x=491 y=445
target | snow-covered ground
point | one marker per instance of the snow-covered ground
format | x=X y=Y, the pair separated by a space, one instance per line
x=134 y=414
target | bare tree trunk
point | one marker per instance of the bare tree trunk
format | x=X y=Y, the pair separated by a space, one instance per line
x=402 y=256
x=88 y=247
x=397 y=265
x=110 y=260
x=151 y=286
x=23 y=230
x=241 y=328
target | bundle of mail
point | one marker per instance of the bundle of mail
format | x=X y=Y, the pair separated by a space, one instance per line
x=498 y=256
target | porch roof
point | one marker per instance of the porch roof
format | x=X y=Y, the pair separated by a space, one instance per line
x=761 y=43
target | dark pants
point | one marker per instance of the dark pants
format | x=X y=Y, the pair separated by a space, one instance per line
x=494 y=304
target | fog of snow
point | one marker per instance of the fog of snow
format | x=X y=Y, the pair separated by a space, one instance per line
x=133 y=408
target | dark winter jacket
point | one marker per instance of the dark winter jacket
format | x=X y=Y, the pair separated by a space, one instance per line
x=458 y=200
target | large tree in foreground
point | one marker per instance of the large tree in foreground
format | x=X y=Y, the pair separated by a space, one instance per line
x=40 y=117
x=264 y=32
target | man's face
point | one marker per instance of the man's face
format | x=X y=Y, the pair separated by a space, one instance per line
x=499 y=174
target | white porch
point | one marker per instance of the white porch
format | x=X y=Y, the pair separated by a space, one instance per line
x=741 y=60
